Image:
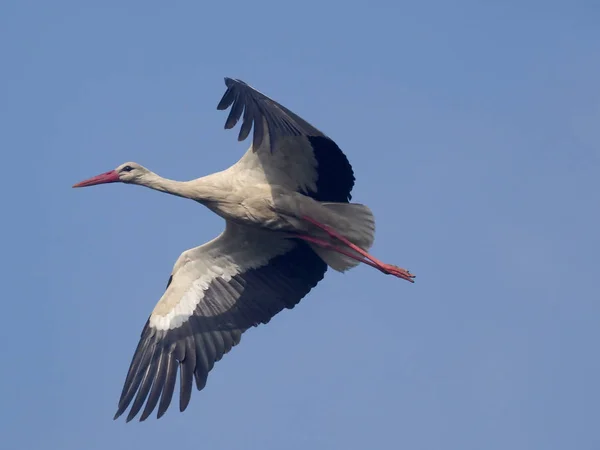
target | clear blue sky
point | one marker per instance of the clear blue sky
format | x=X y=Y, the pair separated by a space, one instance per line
x=473 y=129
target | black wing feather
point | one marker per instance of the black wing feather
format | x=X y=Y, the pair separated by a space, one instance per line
x=167 y=393
x=186 y=370
x=157 y=386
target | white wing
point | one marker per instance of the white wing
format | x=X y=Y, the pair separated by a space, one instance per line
x=286 y=150
x=216 y=291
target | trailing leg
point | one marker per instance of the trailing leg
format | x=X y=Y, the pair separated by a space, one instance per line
x=360 y=255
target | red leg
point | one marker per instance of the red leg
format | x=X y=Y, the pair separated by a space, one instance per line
x=369 y=259
x=329 y=245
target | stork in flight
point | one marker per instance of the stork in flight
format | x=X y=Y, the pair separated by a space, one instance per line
x=287 y=218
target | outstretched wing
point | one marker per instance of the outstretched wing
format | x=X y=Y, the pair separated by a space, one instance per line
x=216 y=292
x=286 y=150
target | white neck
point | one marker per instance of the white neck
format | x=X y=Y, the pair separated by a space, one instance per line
x=200 y=189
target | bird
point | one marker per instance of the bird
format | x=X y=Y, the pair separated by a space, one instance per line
x=288 y=217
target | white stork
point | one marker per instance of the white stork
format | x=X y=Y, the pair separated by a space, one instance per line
x=287 y=218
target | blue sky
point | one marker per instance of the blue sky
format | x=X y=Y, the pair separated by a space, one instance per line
x=473 y=131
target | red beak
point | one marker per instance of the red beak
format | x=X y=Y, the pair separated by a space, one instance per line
x=103 y=178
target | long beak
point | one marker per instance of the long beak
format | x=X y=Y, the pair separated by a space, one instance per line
x=103 y=178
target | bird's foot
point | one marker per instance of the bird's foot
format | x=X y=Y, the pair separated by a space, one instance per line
x=390 y=269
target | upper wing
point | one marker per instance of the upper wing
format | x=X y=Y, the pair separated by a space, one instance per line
x=286 y=150
x=216 y=292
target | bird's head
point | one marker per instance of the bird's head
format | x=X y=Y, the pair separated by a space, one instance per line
x=128 y=172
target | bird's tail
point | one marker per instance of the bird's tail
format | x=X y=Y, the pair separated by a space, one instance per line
x=359 y=229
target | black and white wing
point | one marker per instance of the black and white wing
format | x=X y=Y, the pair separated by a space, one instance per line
x=216 y=291
x=286 y=150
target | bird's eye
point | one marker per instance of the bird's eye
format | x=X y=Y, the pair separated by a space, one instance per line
x=127 y=169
